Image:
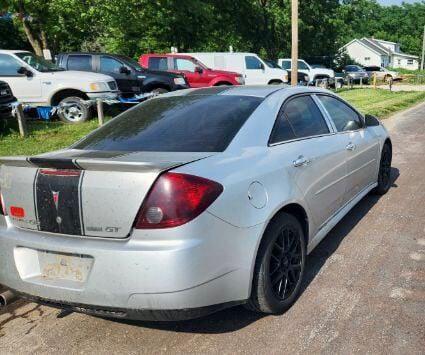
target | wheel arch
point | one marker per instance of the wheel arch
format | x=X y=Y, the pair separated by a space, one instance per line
x=63 y=93
x=275 y=81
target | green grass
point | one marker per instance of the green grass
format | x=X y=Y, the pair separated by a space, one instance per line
x=382 y=103
x=47 y=136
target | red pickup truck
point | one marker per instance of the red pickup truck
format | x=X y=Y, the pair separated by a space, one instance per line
x=196 y=73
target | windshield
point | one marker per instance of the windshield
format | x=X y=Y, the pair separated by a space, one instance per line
x=353 y=68
x=272 y=64
x=38 y=63
x=190 y=123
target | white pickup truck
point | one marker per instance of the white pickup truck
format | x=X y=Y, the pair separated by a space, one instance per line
x=37 y=82
x=304 y=67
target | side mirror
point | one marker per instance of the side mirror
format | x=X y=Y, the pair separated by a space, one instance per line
x=124 y=70
x=198 y=70
x=371 y=121
x=24 y=71
x=261 y=66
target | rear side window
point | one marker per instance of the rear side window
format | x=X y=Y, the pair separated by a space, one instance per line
x=300 y=118
x=192 y=123
x=252 y=62
x=158 y=63
x=80 y=62
x=343 y=116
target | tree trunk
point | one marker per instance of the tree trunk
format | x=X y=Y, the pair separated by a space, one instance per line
x=35 y=43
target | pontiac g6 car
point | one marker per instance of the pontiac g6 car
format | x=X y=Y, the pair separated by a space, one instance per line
x=188 y=203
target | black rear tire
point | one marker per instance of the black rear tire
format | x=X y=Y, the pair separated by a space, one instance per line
x=279 y=266
x=159 y=91
x=384 y=175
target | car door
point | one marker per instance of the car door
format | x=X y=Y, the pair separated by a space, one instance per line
x=303 y=67
x=188 y=68
x=254 y=71
x=361 y=145
x=113 y=67
x=25 y=88
x=313 y=154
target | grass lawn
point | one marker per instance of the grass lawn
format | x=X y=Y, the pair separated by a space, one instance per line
x=47 y=136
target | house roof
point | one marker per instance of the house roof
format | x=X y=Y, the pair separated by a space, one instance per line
x=377 y=47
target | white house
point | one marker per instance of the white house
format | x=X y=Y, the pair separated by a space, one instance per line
x=370 y=51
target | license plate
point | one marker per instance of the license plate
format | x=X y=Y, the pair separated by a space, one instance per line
x=55 y=266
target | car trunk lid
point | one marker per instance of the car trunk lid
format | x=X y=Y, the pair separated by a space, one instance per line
x=83 y=193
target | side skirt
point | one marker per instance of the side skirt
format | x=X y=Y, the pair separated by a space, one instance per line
x=337 y=217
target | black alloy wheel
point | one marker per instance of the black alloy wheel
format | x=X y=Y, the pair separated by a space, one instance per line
x=279 y=266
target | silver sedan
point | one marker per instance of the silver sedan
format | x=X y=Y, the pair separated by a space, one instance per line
x=189 y=203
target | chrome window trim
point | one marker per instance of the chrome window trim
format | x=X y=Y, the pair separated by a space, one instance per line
x=282 y=107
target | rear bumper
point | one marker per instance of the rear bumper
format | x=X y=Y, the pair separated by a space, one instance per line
x=6 y=108
x=179 y=273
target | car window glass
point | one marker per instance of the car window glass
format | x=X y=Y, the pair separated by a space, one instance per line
x=282 y=131
x=343 y=116
x=110 y=65
x=184 y=64
x=158 y=63
x=8 y=65
x=189 y=123
x=252 y=62
x=80 y=62
x=286 y=64
x=302 y=65
x=305 y=117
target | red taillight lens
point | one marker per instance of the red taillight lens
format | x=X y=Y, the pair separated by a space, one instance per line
x=17 y=212
x=176 y=199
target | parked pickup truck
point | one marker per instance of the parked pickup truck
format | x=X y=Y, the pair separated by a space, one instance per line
x=131 y=78
x=6 y=100
x=197 y=74
x=313 y=73
x=38 y=82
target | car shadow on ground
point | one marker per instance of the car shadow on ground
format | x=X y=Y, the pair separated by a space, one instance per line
x=236 y=318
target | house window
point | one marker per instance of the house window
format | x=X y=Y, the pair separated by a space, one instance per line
x=366 y=59
x=410 y=62
x=399 y=61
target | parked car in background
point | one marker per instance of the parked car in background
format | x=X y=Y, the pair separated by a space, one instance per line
x=355 y=74
x=6 y=100
x=131 y=78
x=382 y=73
x=254 y=70
x=189 y=203
x=37 y=82
x=196 y=73
x=305 y=68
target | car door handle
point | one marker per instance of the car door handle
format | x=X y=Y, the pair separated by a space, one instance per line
x=350 y=146
x=300 y=161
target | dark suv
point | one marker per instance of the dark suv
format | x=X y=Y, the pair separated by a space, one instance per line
x=6 y=100
x=131 y=78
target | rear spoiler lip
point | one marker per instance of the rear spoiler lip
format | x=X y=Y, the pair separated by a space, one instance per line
x=91 y=164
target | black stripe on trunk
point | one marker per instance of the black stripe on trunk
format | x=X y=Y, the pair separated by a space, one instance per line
x=58 y=201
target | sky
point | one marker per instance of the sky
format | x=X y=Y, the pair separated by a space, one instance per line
x=395 y=2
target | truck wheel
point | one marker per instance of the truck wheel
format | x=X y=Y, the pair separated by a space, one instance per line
x=159 y=91
x=73 y=110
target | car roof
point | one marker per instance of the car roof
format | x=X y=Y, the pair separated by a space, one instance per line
x=261 y=91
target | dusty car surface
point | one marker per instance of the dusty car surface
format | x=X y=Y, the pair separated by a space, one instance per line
x=188 y=203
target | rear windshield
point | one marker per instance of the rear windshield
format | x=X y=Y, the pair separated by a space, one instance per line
x=192 y=123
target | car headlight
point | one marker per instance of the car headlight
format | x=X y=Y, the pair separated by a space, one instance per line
x=179 y=81
x=99 y=86
x=240 y=80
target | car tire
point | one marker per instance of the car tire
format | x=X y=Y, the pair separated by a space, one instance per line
x=159 y=91
x=384 y=175
x=279 y=266
x=73 y=110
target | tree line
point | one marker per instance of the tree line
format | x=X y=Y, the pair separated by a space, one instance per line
x=133 y=27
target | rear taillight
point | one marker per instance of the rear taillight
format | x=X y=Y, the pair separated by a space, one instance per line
x=176 y=199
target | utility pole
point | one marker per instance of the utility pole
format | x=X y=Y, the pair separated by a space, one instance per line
x=423 y=51
x=294 y=47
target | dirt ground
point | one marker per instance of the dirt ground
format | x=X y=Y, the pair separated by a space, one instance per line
x=364 y=291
